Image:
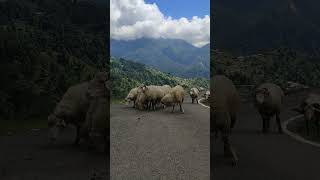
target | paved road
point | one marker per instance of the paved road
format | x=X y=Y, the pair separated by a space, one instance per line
x=267 y=157
x=27 y=156
x=160 y=145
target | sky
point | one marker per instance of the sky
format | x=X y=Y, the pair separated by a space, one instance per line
x=183 y=8
x=172 y=19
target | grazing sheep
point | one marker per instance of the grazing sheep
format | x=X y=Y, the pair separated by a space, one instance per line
x=176 y=96
x=71 y=109
x=132 y=96
x=194 y=93
x=268 y=101
x=225 y=105
x=310 y=108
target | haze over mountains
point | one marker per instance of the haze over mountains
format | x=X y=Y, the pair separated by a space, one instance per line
x=173 y=56
x=247 y=26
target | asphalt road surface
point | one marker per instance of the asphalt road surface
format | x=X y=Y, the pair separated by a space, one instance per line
x=28 y=156
x=267 y=157
x=147 y=145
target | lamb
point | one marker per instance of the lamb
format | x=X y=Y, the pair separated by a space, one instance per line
x=225 y=106
x=268 y=101
x=310 y=108
x=176 y=96
x=132 y=96
x=70 y=110
x=194 y=93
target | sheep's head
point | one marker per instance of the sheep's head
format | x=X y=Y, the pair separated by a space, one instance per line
x=55 y=125
x=167 y=100
x=261 y=95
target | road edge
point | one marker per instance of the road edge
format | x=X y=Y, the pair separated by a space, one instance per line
x=202 y=103
x=296 y=136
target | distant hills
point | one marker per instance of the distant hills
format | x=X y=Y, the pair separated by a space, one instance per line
x=172 y=56
x=248 y=26
x=126 y=75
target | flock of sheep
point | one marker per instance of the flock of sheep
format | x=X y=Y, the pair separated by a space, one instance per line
x=152 y=97
x=84 y=106
x=268 y=99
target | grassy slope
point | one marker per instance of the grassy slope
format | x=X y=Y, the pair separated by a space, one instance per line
x=126 y=75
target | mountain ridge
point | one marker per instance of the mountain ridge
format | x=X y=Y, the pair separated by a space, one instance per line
x=173 y=56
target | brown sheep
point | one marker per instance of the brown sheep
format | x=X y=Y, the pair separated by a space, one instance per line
x=268 y=100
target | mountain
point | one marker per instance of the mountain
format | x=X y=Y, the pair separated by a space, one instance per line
x=173 y=56
x=126 y=75
x=249 y=26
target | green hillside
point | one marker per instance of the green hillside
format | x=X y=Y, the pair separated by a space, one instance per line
x=126 y=75
x=278 y=66
x=45 y=47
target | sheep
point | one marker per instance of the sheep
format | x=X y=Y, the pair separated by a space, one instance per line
x=96 y=124
x=225 y=106
x=74 y=104
x=207 y=95
x=132 y=96
x=176 y=96
x=151 y=94
x=310 y=108
x=268 y=100
x=194 y=93
x=71 y=109
x=166 y=89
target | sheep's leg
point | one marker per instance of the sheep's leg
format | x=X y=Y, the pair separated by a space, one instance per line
x=173 y=107
x=229 y=150
x=197 y=100
x=279 y=123
x=134 y=103
x=192 y=100
x=181 y=109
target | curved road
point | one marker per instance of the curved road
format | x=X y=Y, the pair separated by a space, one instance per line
x=267 y=157
x=159 y=144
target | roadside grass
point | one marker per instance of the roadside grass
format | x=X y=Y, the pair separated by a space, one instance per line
x=8 y=127
x=118 y=101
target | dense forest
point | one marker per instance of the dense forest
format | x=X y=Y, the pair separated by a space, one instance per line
x=126 y=75
x=46 y=46
x=279 y=66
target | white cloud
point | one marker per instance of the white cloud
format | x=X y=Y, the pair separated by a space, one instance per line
x=133 y=19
